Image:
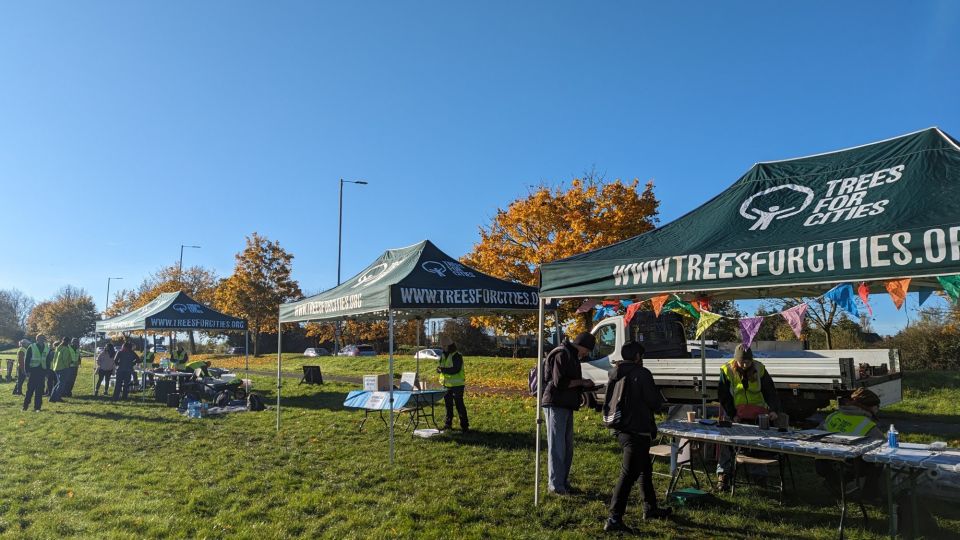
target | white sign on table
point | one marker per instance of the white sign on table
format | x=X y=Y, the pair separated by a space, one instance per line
x=376 y=400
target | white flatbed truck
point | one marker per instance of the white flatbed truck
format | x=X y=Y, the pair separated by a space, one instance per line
x=805 y=380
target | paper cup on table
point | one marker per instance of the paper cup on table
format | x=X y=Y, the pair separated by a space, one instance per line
x=691 y=416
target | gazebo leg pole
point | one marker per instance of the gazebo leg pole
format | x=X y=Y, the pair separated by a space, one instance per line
x=390 y=318
x=536 y=463
x=703 y=374
x=279 y=350
x=246 y=354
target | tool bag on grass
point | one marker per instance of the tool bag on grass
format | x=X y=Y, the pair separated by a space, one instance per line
x=255 y=403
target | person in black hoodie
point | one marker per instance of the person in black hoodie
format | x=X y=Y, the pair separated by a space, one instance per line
x=563 y=386
x=635 y=437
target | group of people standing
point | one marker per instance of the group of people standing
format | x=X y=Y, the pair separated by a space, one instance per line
x=48 y=370
x=51 y=370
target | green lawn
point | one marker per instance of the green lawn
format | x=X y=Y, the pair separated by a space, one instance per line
x=90 y=467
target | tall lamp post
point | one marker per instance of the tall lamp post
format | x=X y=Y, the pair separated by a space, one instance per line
x=107 y=305
x=336 y=333
x=180 y=266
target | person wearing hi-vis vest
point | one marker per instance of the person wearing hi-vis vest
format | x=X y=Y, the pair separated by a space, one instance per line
x=36 y=360
x=62 y=358
x=453 y=379
x=201 y=365
x=21 y=367
x=745 y=391
x=74 y=367
x=180 y=358
x=856 y=415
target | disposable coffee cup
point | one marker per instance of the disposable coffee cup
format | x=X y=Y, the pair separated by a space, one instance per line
x=763 y=421
x=783 y=419
x=691 y=416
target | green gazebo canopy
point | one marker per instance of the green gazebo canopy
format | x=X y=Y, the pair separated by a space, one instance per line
x=885 y=210
x=414 y=281
x=173 y=311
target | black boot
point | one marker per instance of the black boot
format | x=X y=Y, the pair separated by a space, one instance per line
x=616 y=524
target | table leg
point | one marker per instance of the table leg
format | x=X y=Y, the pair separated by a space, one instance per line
x=891 y=506
x=913 y=505
x=843 y=501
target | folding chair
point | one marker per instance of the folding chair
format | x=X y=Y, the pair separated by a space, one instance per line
x=744 y=461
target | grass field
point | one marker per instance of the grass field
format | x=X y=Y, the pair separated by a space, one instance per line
x=90 y=467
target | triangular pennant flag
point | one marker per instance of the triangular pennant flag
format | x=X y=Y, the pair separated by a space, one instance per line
x=749 y=327
x=632 y=309
x=658 y=302
x=863 y=291
x=842 y=295
x=683 y=308
x=587 y=305
x=897 y=289
x=702 y=303
x=610 y=303
x=705 y=321
x=626 y=303
x=794 y=317
x=924 y=293
x=951 y=284
x=604 y=312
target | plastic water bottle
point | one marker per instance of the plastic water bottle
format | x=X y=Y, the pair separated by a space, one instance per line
x=893 y=437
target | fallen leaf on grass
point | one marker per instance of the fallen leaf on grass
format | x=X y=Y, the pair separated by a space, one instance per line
x=69 y=494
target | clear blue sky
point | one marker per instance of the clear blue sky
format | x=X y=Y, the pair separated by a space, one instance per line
x=128 y=128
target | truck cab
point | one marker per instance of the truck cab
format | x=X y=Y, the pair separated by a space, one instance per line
x=806 y=380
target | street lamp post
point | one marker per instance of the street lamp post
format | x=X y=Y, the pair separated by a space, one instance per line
x=107 y=305
x=180 y=266
x=336 y=333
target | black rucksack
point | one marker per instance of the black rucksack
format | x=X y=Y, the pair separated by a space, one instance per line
x=255 y=403
x=222 y=399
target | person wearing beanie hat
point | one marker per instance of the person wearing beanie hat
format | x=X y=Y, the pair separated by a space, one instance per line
x=563 y=384
x=745 y=390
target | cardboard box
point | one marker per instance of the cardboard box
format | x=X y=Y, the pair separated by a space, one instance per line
x=409 y=381
x=375 y=383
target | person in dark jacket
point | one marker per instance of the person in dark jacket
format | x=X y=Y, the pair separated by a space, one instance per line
x=561 y=397
x=453 y=379
x=635 y=437
x=125 y=360
x=745 y=390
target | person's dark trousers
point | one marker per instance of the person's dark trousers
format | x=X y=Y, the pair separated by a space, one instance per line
x=636 y=465
x=60 y=387
x=21 y=376
x=103 y=375
x=71 y=380
x=51 y=382
x=38 y=377
x=122 y=385
x=10 y=369
x=453 y=396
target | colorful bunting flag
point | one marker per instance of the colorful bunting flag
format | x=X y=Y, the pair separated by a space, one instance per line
x=794 y=317
x=842 y=295
x=924 y=293
x=610 y=303
x=658 y=302
x=749 y=327
x=702 y=303
x=705 y=321
x=626 y=303
x=897 y=289
x=632 y=309
x=604 y=312
x=951 y=284
x=587 y=305
x=679 y=306
x=863 y=291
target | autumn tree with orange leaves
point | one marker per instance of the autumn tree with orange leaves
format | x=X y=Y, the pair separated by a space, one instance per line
x=553 y=223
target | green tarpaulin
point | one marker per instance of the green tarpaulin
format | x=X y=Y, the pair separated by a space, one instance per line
x=173 y=311
x=415 y=281
x=796 y=227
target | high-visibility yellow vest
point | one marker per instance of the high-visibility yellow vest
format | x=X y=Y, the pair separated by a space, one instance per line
x=745 y=396
x=74 y=356
x=458 y=378
x=38 y=358
x=148 y=358
x=21 y=352
x=61 y=358
x=854 y=424
x=179 y=359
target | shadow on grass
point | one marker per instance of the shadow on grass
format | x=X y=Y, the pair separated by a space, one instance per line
x=117 y=415
x=509 y=440
x=328 y=401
